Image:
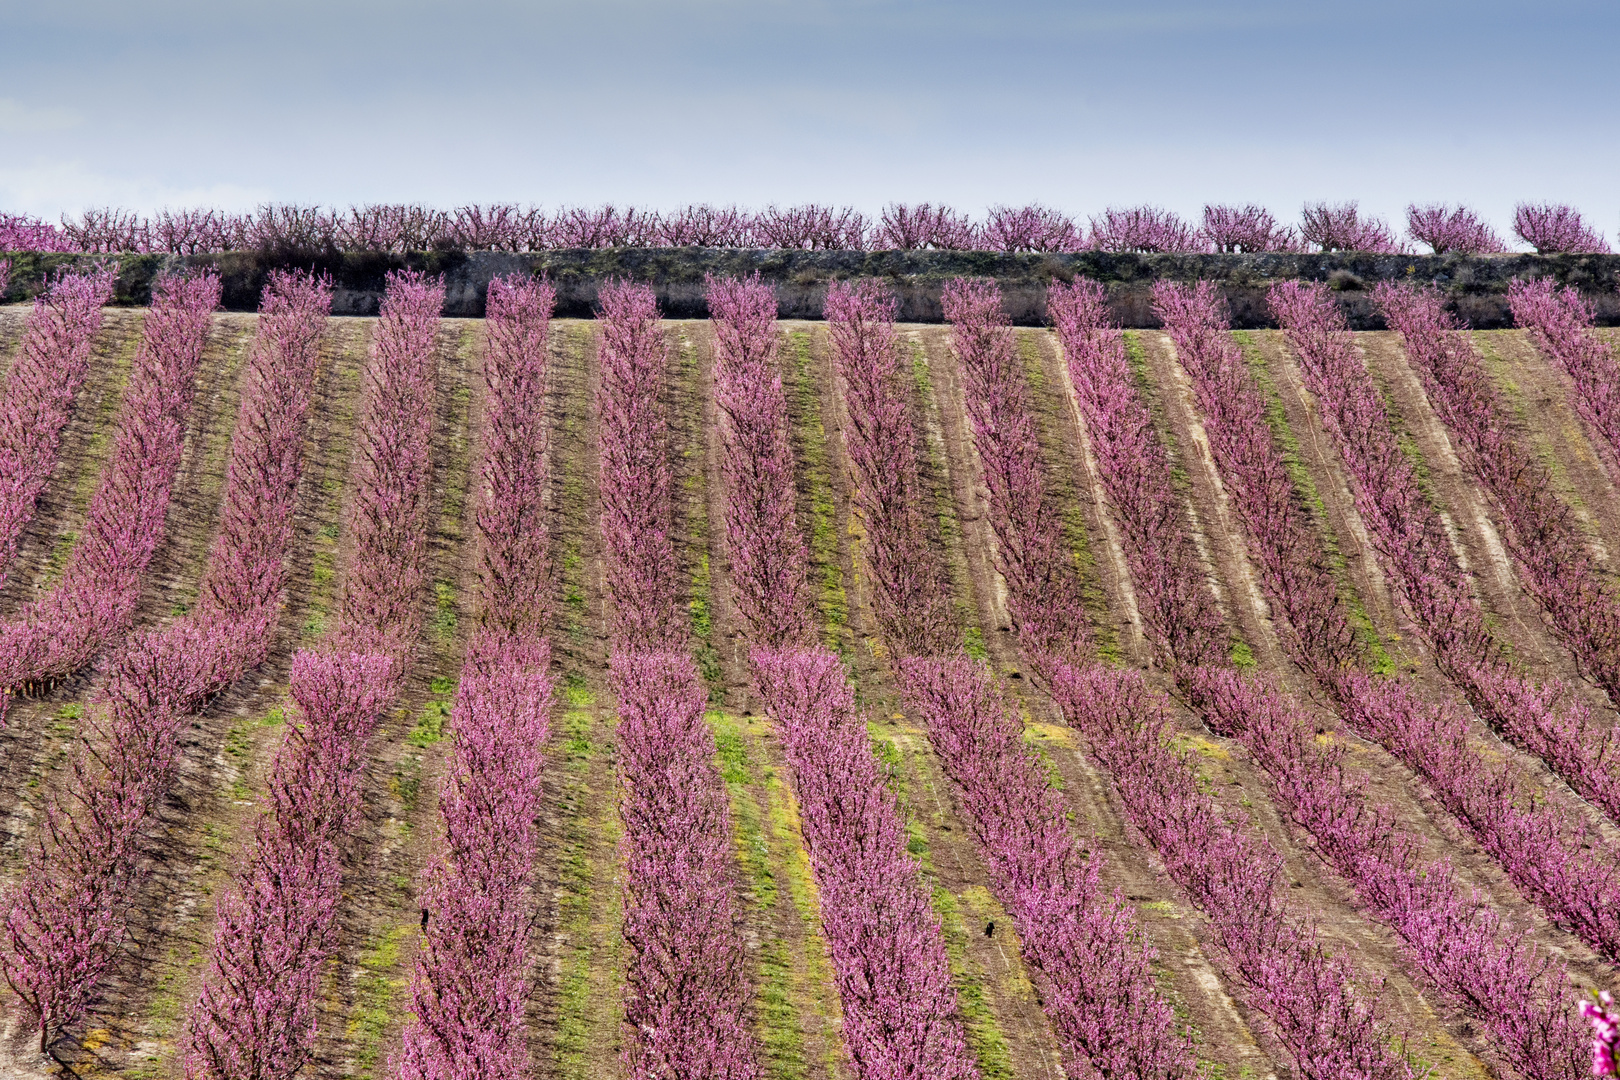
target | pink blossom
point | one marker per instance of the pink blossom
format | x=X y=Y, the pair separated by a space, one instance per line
x=1246 y=228
x=1044 y=596
x=913 y=228
x=637 y=518
x=1342 y=228
x=1452 y=229
x=1178 y=610
x=1029 y=228
x=1143 y=229
x=767 y=554
x=1553 y=229
x=910 y=590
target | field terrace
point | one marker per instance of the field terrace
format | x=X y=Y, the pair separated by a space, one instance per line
x=136 y=1022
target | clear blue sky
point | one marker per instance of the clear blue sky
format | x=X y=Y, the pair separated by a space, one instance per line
x=1080 y=105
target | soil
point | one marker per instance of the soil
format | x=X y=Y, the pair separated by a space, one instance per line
x=576 y=1012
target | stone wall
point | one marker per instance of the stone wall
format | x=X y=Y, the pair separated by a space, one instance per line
x=1476 y=285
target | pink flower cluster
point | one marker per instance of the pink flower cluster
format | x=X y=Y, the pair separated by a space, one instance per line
x=5 y=275
x=94 y=603
x=911 y=597
x=1178 y=609
x=1341 y=227
x=914 y=228
x=1605 y=1021
x=1560 y=323
x=470 y=986
x=513 y=535
x=1552 y=229
x=277 y=922
x=45 y=376
x=1029 y=228
x=687 y=1002
x=1462 y=946
x=1553 y=559
x=65 y=923
x=1544 y=850
x=1452 y=228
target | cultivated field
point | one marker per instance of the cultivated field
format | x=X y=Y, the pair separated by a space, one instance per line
x=1275 y=628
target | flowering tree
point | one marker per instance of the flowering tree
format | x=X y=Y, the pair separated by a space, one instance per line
x=910 y=591
x=911 y=228
x=637 y=511
x=1029 y=228
x=1554 y=229
x=1246 y=228
x=1144 y=229
x=1340 y=227
x=1447 y=229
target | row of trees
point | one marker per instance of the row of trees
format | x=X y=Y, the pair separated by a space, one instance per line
x=277 y=920
x=45 y=377
x=470 y=984
x=688 y=995
x=1318 y=1004
x=1441 y=228
x=1553 y=858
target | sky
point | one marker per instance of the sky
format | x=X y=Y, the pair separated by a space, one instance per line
x=1078 y=105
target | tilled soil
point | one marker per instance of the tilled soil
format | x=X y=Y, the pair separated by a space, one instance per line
x=576 y=1009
